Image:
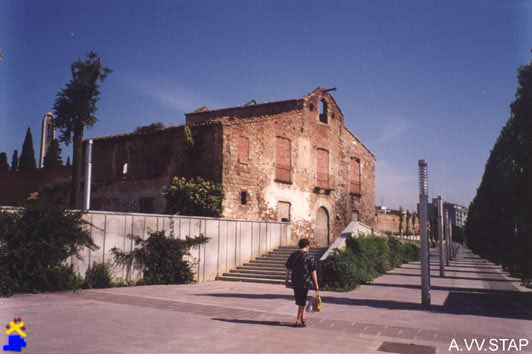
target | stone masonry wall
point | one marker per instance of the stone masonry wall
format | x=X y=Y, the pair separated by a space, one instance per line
x=256 y=174
x=153 y=159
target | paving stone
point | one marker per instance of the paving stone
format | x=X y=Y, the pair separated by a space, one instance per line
x=227 y=317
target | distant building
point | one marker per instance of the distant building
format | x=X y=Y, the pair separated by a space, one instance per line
x=457 y=213
x=47 y=135
x=291 y=160
x=388 y=220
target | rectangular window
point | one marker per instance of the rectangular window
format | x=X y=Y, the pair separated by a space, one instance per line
x=243 y=149
x=322 y=180
x=354 y=176
x=283 y=211
x=146 y=205
x=243 y=197
x=283 y=160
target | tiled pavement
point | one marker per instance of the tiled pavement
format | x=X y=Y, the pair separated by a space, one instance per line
x=474 y=301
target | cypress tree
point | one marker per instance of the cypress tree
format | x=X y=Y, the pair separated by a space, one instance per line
x=27 y=157
x=499 y=226
x=68 y=164
x=53 y=155
x=14 y=161
x=4 y=165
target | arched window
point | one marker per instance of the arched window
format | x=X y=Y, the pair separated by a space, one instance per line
x=323 y=112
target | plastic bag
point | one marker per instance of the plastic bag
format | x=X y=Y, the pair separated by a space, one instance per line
x=316 y=303
x=309 y=306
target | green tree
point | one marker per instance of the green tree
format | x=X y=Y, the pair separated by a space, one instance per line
x=68 y=164
x=75 y=108
x=27 y=157
x=149 y=128
x=196 y=197
x=4 y=165
x=14 y=161
x=53 y=155
x=499 y=226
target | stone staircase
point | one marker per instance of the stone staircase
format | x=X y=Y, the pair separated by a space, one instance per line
x=269 y=268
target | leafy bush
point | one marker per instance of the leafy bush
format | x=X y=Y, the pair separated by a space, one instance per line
x=98 y=276
x=397 y=252
x=364 y=259
x=411 y=252
x=160 y=258
x=340 y=271
x=34 y=244
x=196 y=197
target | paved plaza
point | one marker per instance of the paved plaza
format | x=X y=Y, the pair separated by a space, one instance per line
x=475 y=300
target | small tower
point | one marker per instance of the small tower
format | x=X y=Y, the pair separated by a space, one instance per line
x=47 y=135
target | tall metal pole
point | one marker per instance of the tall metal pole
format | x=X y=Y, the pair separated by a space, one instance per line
x=88 y=176
x=451 y=238
x=447 y=238
x=423 y=201
x=440 y=234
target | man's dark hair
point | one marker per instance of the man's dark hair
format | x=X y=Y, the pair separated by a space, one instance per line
x=304 y=242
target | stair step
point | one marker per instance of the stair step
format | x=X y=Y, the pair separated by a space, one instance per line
x=266 y=264
x=269 y=268
x=275 y=256
x=251 y=280
x=272 y=259
x=258 y=271
x=266 y=261
x=259 y=267
x=259 y=276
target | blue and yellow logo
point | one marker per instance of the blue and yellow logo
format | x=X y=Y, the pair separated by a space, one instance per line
x=15 y=331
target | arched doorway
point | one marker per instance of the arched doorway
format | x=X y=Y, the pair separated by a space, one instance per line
x=322 y=227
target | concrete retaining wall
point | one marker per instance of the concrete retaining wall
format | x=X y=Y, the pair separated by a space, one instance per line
x=232 y=243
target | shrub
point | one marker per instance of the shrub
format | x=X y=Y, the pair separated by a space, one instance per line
x=412 y=253
x=339 y=271
x=397 y=252
x=34 y=244
x=363 y=260
x=160 y=258
x=196 y=197
x=98 y=276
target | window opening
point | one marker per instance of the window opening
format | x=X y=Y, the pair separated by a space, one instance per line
x=323 y=112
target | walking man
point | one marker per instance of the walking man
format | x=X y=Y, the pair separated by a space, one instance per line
x=302 y=265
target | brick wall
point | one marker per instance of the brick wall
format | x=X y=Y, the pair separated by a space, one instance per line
x=16 y=186
x=153 y=159
x=276 y=160
x=295 y=162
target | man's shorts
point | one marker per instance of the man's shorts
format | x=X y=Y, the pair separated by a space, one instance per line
x=301 y=296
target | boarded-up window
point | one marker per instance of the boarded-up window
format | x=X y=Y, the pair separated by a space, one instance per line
x=323 y=169
x=354 y=176
x=283 y=211
x=243 y=149
x=283 y=161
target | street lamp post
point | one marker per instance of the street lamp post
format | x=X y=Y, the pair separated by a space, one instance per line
x=440 y=234
x=423 y=201
x=88 y=176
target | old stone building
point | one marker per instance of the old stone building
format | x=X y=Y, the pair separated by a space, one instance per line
x=291 y=160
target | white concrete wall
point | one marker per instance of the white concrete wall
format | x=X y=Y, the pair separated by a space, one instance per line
x=232 y=242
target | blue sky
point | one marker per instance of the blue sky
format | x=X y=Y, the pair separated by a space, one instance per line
x=415 y=79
